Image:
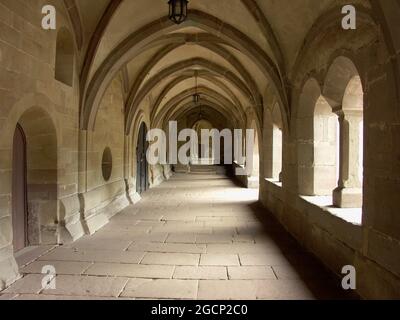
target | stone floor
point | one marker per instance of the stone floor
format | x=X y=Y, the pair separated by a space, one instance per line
x=193 y=237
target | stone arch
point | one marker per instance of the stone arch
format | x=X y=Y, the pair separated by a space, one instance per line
x=341 y=71
x=64 y=61
x=210 y=94
x=29 y=101
x=316 y=142
x=254 y=177
x=326 y=23
x=42 y=179
x=95 y=41
x=142 y=167
x=132 y=105
x=207 y=94
x=353 y=96
x=309 y=95
x=200 y=157
x=212 y=110
x=75 y=19
x=273 y=142
x=146 y=36
x=201 y=75
x=188 y=107
x=205 y=116
x=387 y=13
x=42 y=176
x=213 y=47
x=140 y=117
x=344 y=91
x=39 y=105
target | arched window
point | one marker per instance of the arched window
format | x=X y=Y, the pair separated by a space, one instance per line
x=256 y=156
x=64 y=64
x=325 y=148
x=317 y=132
x=273 y=138
x=253 y=178
x=343 y=89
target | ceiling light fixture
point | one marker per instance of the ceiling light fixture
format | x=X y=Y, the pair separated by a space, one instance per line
x=196 y=96
x=178 y=10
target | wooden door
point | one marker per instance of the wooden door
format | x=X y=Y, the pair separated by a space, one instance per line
x=19 y=191
x=141 y=165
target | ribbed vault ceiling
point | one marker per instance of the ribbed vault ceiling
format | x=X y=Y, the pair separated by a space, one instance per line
x=238 y=48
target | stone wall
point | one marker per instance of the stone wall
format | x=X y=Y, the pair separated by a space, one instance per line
x=105 y=196
x=67 y=196
x=340 y=237
x=27 y=59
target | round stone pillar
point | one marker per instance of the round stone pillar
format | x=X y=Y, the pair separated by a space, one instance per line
x=348 y=194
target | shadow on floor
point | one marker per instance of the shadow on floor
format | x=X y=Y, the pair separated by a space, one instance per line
x=322 y=282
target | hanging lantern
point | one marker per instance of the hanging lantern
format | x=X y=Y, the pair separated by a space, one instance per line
x=201 y=114
x=178 y=10
x=196 y=98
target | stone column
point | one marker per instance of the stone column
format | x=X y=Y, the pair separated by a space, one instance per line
x=82 y=161
x=348 y=194
x=253 y=180
x=277 y=150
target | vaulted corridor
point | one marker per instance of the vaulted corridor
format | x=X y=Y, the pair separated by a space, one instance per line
x=193 y=237
x=119 y=118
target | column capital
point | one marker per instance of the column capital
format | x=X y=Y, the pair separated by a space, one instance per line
x=343 y=113
x=353 y=112
x=338 y=110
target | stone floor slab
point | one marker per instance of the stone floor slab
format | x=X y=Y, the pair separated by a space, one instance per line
x=8 y=296
x=31 y=283
x=131 y=270
x=284 y=290
x=30 y=254
x=48 y=297
x=214 y=238
x=100 y=244
x=200 y=273
x=219 y=260
x=237 y=248
x=168 y=248
x=69 y=254
x=88 y=286
x=251 y=273
x=302 y=271
x=181 y=238
x=161 y=289
x=181 y=241
x=263 y=259
x=60 y=267
x=227 y=290
x=179 y=259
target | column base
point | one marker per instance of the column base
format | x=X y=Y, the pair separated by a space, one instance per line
x=8 y=267
x=253 y=182
x=347 y=197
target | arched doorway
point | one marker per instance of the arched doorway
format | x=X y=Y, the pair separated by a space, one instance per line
x=141 y=161
x=19 y=191
x=35 y=191
x=205 y=152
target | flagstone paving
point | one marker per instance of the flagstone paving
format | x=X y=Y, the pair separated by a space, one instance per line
x=193 y=237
